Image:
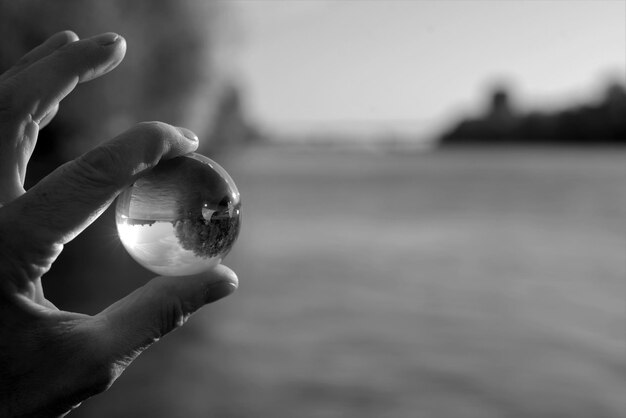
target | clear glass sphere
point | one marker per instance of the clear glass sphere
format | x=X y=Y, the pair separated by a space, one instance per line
x=182 y=218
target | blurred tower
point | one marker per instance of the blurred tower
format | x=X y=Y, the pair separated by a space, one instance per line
x=231 y=127
x=501 y=118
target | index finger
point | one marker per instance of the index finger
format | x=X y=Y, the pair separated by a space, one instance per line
x=64 y=203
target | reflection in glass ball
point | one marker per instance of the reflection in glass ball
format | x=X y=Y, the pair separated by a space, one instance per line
x=182 y=218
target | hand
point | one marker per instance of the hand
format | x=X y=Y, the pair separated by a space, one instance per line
x=51 y=360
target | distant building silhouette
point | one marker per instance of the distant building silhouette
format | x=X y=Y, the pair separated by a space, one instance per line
x=231 y=125
x=600 y=123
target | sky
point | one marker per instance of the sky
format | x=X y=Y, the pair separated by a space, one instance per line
x=408 y=66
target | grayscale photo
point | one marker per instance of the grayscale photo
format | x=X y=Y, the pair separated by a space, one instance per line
x=313 y=208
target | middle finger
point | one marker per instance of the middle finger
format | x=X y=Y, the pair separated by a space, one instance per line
x=50 y=45
x=33 y=91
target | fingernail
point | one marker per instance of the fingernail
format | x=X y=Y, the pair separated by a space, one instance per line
x=106 y=39
x=188 y=134
x=219 y=290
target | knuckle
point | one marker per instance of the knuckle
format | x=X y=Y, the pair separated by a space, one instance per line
x=99 y=377
x=80 y=351
x=173 y=311
x=22 y=255
x=173 y=315
x=102 y=166
x=155 y=129
x=99 y=368
x=156 y=139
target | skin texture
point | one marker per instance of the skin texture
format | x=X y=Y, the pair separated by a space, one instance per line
x=51 y=360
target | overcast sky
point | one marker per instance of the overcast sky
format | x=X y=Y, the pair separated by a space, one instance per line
x=408 y=65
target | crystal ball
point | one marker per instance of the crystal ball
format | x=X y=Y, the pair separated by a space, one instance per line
x=181 y=218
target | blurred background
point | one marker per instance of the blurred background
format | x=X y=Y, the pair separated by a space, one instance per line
x=433 y=202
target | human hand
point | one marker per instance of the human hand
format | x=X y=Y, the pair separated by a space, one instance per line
x=51 y=360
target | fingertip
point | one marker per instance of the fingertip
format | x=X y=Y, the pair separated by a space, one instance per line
x=115 y=45
x=162 y=140
x=189 y=143
x=60 y=39
x=218 y=291
x=188 y=134
x=217 y=283
x=118 y=53
x=225 y=274
x=63 y=38
x=112 y=41
x=121 y=42
x=224 y=282
x=119 y=45
x=106 y=39
x=99 y=54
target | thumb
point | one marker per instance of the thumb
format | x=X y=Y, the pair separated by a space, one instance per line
x=162 y=305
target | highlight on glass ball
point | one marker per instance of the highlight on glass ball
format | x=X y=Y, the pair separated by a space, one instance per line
x=181 y=218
